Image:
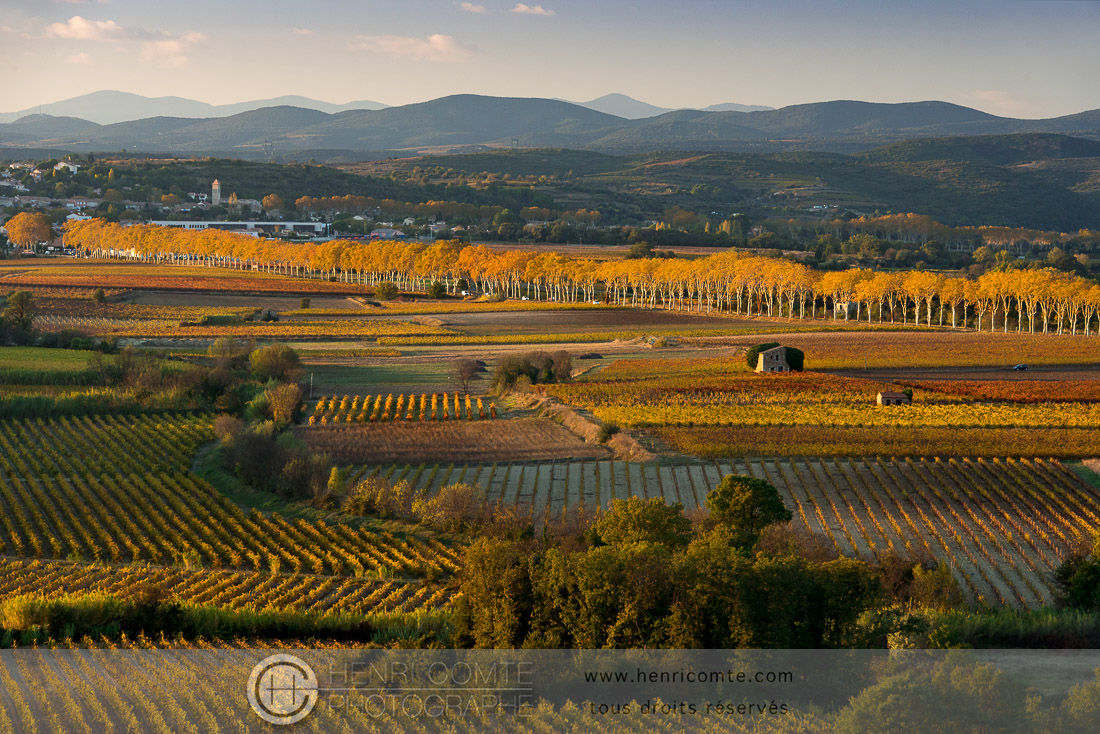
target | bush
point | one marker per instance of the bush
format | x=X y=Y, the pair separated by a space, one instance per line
x=1078 y=582
x=304 y=304
x=99 y=296
x=227 y=427
x=386 y=291
x=454 y=508
x=278 y=463
x=796 y=359
x=283 y=402
x=746 y=505
x=376 y=496
x=276 y=362
x=538 y=367
x=936 y=588
x=635 y=520
x=752 y=357
x=229 y=353
x=437 y=290
x=607 y=430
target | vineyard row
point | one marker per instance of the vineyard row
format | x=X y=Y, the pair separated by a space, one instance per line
x=226 y=589
x=1002 y=526
x=179 y=519
x=378 y=409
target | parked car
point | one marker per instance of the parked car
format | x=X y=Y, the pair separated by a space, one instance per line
x=1020 y=367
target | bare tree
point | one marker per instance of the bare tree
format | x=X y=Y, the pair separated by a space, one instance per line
x=466 y=371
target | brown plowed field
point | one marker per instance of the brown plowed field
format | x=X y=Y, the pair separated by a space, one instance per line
x=518 y=439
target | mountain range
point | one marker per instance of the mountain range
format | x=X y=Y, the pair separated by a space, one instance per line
x=473 y=122
x=108 y=107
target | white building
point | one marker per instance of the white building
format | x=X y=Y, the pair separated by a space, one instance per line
x=215 y=193
x=67 y=166
x=250 y=228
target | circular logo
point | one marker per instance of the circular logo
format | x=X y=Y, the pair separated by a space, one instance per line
x=282 y=689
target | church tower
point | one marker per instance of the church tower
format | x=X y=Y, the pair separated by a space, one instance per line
x=216 y=194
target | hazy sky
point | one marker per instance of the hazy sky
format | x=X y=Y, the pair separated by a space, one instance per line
x=1029 y=58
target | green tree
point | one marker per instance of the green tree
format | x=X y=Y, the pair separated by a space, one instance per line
x=747 y=505
x=495 y=607
x=19 y=312
x=953 y=696
x=635 y=520
x=276 y=362
x=611 y=596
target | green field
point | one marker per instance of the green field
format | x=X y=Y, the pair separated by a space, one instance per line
x=40 y=358
x=329 y=379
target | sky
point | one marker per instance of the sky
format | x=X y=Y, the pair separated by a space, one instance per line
x=1019 y=58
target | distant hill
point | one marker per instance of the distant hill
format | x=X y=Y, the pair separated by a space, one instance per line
x=998 y=150
x=108 y=107
x=622 y=106
x=476 y=122
x=45 y=128
x=735 y=107
x=632 y=109
x=1037 y=180
x=457 y=120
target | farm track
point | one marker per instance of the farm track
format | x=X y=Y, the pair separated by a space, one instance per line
x=1001 y=525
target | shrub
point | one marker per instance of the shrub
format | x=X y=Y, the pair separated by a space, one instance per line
x=635 y=520
x=99 y=296
x=1078 y=582
x=437 y=290
x=752 y=356
x=275 y=462
x=376 y=496
x=304 y=304
x=283 y=402
x=538 y=367
x=227 y=427
x=936 y=588
x=455 y=507
x=747 y=505
x=607 y=430
x=228 y=352
x=386 y=291
x=796 y=359
x=276 y=362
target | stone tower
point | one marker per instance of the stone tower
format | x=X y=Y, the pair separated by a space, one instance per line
x=215 y=193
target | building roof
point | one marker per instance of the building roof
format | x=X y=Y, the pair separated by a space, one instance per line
x=893 y=394
x=774 y=349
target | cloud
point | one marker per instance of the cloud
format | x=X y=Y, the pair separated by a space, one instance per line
x=171 y=51
x=156 y=47
x=80 y=58
x=304 y=32
x=471 y=8
x=526 y=9
x=436 y=47
x=78 y=28
x=996 y=102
